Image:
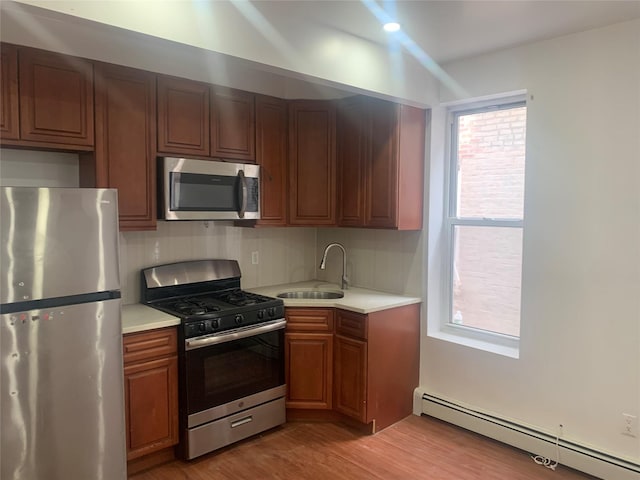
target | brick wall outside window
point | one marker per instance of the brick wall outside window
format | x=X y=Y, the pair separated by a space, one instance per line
x=488 y=260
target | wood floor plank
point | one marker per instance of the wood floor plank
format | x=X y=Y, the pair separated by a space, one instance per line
x=417 y=448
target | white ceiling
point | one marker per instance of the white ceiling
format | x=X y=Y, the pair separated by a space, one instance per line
x=452 y=29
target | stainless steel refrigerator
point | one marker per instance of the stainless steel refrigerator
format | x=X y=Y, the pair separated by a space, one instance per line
x=62 y=403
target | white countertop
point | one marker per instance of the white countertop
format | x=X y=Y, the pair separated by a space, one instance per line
x=138 y=318
x=360 y=300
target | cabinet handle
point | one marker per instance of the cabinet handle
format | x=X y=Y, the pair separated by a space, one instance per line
x=242 y=421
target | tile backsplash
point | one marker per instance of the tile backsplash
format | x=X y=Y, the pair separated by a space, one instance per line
x=382 y=260
x=385 y=260
x=284 y=254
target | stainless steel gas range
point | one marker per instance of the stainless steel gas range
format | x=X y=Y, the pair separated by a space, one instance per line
x=231 y=352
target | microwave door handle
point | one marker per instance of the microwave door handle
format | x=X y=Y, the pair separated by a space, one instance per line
x=243 y=193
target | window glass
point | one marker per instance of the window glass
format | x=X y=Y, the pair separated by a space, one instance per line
x=485 y=218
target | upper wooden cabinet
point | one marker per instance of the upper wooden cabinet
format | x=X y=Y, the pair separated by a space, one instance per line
x=381 y=149
x=199 y=120
x=9 y=113
x=312 y=163
x=271 y=155
x=183 y=117
x=124 y=158
x=54 y=100
x=233 y=124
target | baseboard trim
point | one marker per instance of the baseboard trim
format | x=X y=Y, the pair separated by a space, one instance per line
x=580 y=457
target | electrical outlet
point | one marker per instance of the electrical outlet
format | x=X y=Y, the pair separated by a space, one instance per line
x=630 y=425
x=254 y=258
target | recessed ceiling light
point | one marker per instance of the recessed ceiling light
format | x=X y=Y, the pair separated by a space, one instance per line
x=391 y=27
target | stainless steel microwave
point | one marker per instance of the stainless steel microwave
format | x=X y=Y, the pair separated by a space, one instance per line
x=208 y=190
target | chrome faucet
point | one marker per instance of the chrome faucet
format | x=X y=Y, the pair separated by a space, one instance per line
x=345 y=280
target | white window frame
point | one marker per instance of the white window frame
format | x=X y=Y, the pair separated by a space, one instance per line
x=486 y=340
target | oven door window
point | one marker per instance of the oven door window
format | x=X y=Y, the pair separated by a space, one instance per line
x=229 y=371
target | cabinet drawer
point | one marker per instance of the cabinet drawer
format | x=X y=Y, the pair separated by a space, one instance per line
x=152 y=344
x=351 y=324
x=309 y=319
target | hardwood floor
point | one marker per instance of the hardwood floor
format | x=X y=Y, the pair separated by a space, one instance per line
x=414 y=448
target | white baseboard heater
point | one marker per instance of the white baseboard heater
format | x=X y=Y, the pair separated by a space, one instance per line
x=585 y=459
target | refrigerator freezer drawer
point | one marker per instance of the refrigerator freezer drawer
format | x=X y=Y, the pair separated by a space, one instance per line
x=62 y=393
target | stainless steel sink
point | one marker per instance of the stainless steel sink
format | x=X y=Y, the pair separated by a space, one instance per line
x=311 y=294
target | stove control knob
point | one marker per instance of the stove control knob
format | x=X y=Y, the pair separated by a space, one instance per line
x=239 y=318
x=214 y=324
x=202 y=327
x=272 y=312
x=260 y=314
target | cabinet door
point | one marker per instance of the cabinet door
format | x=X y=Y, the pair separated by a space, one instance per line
x=308 y=370
x=9 y=119
x=125 y=140
x=271 y=155
x=233 y=125
x=151 y=402
x=411 y=161
x=350 y=383
x=183 y=117
x=352 y=151
x=382 y=168
x=312 y=172
x=56 y=99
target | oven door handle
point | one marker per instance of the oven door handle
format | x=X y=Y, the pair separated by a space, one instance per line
x=191 y=344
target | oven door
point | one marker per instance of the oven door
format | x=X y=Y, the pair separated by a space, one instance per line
x=234 y=370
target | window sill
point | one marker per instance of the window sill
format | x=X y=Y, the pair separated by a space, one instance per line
x=508 y=348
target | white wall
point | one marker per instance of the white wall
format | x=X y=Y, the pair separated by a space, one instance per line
x=579 y=359
x=211 y=41
x=30 y=168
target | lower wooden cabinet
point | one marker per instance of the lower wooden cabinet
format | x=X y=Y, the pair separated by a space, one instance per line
x=151 y=391
x=376 y=364
x=361 y=366
x=350 y=382
x=309 y=358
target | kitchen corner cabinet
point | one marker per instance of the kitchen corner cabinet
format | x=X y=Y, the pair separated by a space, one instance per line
x=376 y=364
x=9 y=113
x=380 y=151
x=54 y=100
x=124 y=157
x=271 y=155
x=233 y=124
x=151 y=391
x=183 y=117
x=312 y=163
x=309 y=358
